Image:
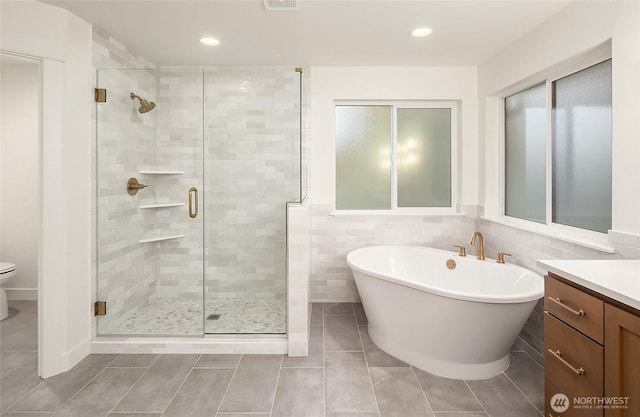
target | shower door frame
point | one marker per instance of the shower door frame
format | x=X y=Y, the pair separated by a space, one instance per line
x=158 y=172
x=279 y=337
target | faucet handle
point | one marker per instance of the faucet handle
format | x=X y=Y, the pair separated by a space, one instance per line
x=501 y=256
x=463 y=250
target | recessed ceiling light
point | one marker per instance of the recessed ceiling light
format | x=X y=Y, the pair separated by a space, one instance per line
x=421 y=32
x=208 y=41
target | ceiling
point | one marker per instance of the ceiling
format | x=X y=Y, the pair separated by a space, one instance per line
x=318 y=32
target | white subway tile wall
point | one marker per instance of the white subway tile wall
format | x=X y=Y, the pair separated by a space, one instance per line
x=299 y=265
x=252 y=170
x=334 y=236
x=126 y=269
x=179 y=147
x=243 y=155
x=526 y=248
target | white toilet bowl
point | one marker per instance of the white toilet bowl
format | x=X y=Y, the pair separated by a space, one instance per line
x=7 y=270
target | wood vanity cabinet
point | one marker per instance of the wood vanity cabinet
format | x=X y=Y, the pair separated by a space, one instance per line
x=592 y=349
x=622 y=359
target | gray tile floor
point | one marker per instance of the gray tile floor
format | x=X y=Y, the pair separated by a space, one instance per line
x=345 y=375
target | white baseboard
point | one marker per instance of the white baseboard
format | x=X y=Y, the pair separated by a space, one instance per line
x=77 y=353
x=26 y=294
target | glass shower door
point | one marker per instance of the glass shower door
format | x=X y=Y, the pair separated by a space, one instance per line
x=149 y=260
x=252 y=169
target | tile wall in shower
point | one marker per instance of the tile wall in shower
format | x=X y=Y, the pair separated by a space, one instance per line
x=252 y=170
x=251 y=153
x=126 y=139
x=249 y=138
x=179 y=147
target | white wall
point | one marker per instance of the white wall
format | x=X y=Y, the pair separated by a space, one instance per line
x=626 y=119
x=578 y=28
x=63 y=43
x=390 y=83
x=334 y=236
x=20 y=96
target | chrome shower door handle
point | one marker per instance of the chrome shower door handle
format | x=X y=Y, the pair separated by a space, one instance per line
x=193 y=202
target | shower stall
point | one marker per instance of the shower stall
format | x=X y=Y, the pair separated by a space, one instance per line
x=194 y=170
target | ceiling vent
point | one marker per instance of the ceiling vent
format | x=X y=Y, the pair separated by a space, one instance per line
x=280 y=5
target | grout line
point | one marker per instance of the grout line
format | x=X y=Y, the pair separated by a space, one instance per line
x=424 y=394
x=215 y=367
x=527 y=353
x=229 y=384
x=128 y=367
x=25 y=395
x=302 y=367
x=351 y=351
x=518 y=388
x=324 y=368
x=275 y=391
x=181 y=384
x=366 y=363
x=134 y=384
x=533 y=359
x=476 y=397
x=87 y=384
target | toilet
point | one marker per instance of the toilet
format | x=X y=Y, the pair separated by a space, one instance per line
x=7 y=271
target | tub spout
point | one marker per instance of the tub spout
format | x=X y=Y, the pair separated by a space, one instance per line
x=480 y=244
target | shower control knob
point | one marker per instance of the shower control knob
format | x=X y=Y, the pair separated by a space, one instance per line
x=133 y=186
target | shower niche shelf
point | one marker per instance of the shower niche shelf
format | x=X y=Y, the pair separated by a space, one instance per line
x=160 y=238
x=160 y=205
x=161 y=172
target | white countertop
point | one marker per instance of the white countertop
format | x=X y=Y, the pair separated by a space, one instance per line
x=619 y=280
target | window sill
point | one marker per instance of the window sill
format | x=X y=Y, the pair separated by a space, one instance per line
x=421 y=213
x=593 y=240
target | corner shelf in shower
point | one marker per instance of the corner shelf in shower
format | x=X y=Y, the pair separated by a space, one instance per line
x=161 y=172
x=152 y=239
x=160 y=205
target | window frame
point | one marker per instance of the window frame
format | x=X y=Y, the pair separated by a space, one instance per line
x=453 y=106
x=573 y=234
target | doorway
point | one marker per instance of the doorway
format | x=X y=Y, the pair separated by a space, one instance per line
x=20 y=97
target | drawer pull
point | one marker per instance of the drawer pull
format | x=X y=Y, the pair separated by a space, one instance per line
x=558 y=354
x=558 y=301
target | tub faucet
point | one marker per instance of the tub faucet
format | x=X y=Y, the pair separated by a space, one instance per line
x=480 y=244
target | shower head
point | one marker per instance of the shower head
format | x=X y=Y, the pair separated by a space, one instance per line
x=145 y=105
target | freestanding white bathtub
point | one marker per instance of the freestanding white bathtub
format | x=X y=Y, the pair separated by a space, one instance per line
x=457 y=323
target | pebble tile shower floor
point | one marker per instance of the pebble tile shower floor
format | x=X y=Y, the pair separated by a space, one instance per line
x=236 y=315
x=345 y=375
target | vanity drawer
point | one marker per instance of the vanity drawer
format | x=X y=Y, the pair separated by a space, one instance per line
x=576 y=308
x=551 y=389
x=577 y=353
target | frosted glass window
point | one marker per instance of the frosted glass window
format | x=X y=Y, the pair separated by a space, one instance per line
x=363 y=155
x=424 y=157
x=581 y=126
x=525 y=154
